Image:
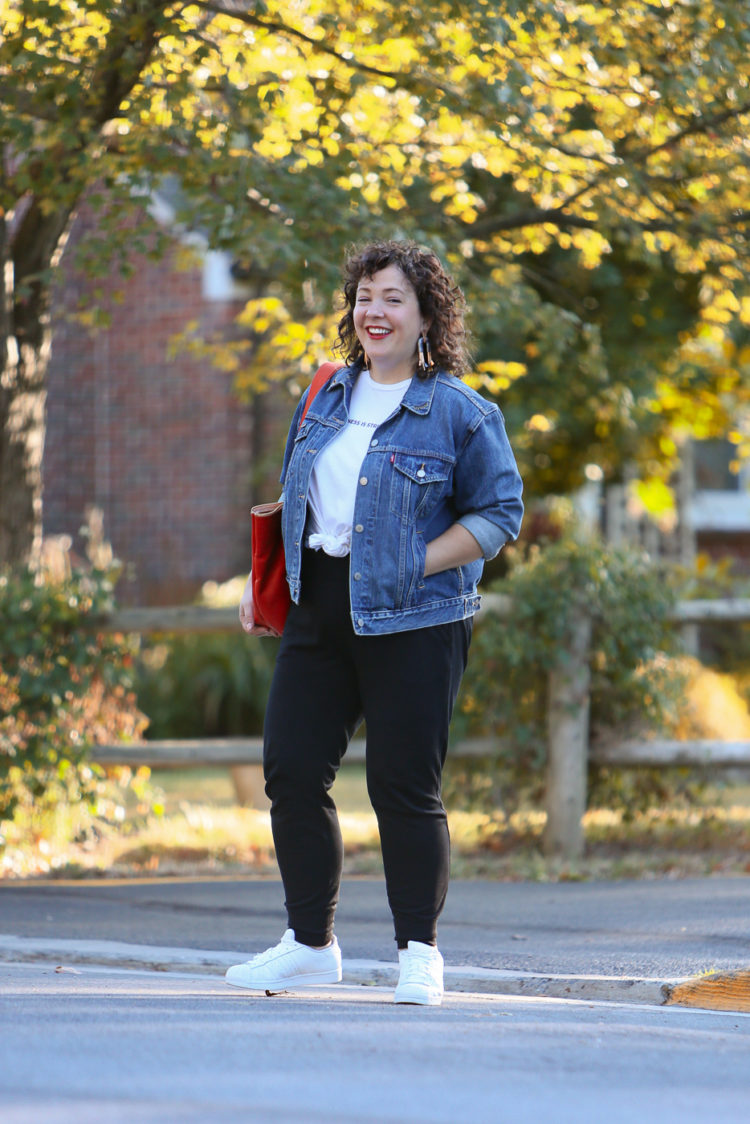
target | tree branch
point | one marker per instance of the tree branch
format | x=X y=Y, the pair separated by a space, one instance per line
x=696 y=125
x=416 y=79
x=25 y=102
x=130 y=43
x=537 y=216
x=296 y=33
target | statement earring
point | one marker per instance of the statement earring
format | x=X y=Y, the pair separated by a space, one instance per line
x=424 y=355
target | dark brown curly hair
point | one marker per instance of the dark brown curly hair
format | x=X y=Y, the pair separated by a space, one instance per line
x=441 y=302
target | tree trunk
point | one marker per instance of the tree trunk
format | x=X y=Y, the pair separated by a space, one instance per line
x=28 y=245
x=567 y=743
x=25 y=257
x=21 y=443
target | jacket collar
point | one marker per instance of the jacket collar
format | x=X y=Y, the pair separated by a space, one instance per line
x=419 y=393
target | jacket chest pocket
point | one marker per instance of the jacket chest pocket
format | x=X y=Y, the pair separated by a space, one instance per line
x=417 y=484
x=295 y=468
x=307 y=445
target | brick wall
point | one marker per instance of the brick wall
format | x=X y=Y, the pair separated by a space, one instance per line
x=161 y=445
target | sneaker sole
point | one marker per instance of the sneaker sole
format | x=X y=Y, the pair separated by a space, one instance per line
x=419 y=1000
x=276 y=984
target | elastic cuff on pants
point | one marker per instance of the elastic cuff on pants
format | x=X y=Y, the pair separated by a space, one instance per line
x=403 y=942
x=311 y=938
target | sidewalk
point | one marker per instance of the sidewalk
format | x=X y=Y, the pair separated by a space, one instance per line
x=643 y=942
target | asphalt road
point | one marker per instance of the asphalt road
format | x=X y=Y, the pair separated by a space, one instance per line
x=101 y=1046
x=666 y=928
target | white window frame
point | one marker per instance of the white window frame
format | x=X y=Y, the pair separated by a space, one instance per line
x=723 y=510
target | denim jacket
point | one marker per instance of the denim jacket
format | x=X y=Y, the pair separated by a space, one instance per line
x=442 y=457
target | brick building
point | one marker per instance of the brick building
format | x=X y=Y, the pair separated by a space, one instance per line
x=161 y=445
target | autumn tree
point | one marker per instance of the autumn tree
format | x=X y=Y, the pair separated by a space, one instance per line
x=585 y=176
x=588 y=179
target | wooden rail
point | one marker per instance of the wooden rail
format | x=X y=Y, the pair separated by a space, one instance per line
x=202 y=618
x=568 y=750
x=186 y=753
x=183 y=753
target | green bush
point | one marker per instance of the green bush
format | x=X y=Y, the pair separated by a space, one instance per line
x=63 y=687
x=635 y=686
x=206 y=684
x=724 y=645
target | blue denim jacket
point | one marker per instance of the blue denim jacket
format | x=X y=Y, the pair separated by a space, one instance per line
x=442 y=457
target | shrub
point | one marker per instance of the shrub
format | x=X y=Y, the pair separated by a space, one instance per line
x=63 y=687
x=206 y=684
x=635 y=686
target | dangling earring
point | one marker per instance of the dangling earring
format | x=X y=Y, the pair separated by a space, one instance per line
x=366 y=360
x=424 y=359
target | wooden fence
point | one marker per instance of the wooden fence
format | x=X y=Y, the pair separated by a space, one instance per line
x=568 y=752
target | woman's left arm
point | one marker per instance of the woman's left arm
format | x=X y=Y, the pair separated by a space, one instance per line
x=487 y=493
x=455 y=547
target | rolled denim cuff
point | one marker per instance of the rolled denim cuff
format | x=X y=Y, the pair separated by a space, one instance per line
x=490 y=537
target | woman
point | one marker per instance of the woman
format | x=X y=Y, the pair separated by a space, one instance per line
x=397 y=485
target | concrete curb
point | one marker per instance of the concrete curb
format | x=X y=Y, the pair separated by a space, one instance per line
x=364 y=973
x=494 y=981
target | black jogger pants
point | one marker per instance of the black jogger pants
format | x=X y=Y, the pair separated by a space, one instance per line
x=327 y=680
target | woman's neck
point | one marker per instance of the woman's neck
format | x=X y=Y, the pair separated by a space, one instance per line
x=391 y=374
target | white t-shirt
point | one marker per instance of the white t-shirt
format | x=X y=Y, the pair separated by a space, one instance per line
x=333 y=484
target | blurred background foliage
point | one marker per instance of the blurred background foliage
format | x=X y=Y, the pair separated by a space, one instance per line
x=581 y=167
x=583 y=170
x=207 y=684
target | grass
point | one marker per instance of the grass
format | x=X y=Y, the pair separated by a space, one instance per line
x=200 y=830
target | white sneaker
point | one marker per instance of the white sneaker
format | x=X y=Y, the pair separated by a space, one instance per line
x=421 y=976
x=288 y=964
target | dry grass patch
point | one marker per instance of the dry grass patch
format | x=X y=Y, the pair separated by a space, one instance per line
x=193 y=836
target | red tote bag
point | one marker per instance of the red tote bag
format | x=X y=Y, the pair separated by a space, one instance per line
x=270 y=589
x=271 y=598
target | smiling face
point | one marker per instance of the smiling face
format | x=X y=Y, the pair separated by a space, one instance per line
x=388 y=322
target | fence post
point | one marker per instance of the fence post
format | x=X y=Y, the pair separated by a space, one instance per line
x=567 y=743
x=249 y=786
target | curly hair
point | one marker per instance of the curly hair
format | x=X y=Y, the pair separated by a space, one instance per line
x=441 y=301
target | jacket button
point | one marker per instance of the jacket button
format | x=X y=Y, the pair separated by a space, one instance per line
x=357 y=576
x=360 y=622
x=359 y=528
x=374 y=442
x=363 y=480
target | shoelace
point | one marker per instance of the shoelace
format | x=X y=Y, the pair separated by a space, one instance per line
x=263 y=957
x=419 y=971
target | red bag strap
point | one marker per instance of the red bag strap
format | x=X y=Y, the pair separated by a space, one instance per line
x=320 y=378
